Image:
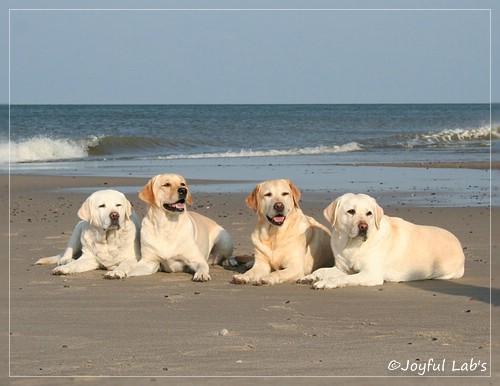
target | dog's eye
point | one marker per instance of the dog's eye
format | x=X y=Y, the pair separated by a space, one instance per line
x=102 y=206
x=118 y=204
x=183 y=184
x=351 y=211
x=368 y=213
x=268 y=194
x=285 y=194
x=167 y=185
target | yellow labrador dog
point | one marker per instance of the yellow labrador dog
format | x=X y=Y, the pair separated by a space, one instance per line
x=371 y=248
x=288 y=244
x=106 y=238
x=174 y=239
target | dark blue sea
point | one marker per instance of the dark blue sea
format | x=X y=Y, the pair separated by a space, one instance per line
x=307 y=143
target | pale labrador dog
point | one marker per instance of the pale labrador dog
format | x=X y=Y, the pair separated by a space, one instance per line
x=288 y=244
x=106 y=238
x=175 y=240
x=371 y=247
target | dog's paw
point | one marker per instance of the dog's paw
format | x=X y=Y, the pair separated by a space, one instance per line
x=201 y=276
x=326 y=284
x=240 y=279
x=309 y=279
x=61 y=270
x=266 y=280
x=65 y=261
x=115 y=275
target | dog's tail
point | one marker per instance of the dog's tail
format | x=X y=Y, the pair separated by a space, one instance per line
x=49 y=260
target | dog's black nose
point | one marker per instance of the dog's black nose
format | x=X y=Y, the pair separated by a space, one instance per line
x=279 y=206
x=182 y=192
x=114 y=215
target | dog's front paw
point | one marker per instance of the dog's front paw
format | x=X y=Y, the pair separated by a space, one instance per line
x=309 y=279
x=201 y=276
x=61 y=270
x=266 y=280
x=241 y=279
x=65 y=261
x=326 y=284
x=115 y=275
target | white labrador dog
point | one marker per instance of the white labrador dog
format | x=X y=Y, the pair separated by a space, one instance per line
x=371 y=248
x=288 y=244
x=106 y=238
x=174 y=239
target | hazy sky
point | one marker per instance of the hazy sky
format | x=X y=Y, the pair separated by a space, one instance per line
x=242 y=56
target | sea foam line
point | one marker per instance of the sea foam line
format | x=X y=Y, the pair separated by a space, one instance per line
x=349 y=147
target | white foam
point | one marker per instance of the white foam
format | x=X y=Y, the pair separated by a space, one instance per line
x=349 y=147
x=41 y=149
x=459 y=135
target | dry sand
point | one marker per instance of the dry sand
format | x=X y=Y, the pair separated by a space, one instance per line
x=165 y=325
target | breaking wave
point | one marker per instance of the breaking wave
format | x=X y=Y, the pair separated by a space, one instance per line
x=46 y=149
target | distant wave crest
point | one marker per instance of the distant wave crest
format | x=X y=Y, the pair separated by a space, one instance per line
x=353 y=146
x=452 y=137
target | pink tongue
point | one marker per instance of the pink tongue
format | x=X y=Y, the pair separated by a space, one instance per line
x=278 y=218
x=179 y=205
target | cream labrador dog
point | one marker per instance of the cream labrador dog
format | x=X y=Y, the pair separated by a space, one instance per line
x=371 y=248
x=175 y=240
x=106 y=238
x=288 y=244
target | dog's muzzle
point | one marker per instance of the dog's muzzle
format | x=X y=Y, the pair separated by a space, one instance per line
x=115 y=220
x=279 y=218
x=363 y=230
x=178 y=206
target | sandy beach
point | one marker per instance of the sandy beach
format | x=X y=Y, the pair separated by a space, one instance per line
x=72 y=329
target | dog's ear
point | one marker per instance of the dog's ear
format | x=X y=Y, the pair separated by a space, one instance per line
x=330 y=212
x=84 y=213
x=295 y=193
x=379 y=213
x=128 y=209
x=252 y=199
x=189 y=198
x=147 y=193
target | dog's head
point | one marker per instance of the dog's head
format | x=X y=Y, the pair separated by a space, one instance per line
x=356 y=215
x=106 y=209
x=274 y=200
x=167 y=191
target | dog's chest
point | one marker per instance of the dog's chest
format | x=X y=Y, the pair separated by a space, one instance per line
x=106 y=248
x=167 y=241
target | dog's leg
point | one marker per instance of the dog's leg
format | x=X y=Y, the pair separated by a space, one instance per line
x=144 y=267
x=83 y=264
x=122 y=270
x=290 y=273
x=73 y=247
x=198 y=264
x=322 y=274
x=260 y=268
x=364 y=278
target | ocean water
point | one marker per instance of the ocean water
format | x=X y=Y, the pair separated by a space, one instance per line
x=313 y=144
x=371 y=133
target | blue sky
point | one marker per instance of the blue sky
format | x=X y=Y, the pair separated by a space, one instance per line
x=249 y=56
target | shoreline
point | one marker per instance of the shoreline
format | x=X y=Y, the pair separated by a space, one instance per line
x=493 y=165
